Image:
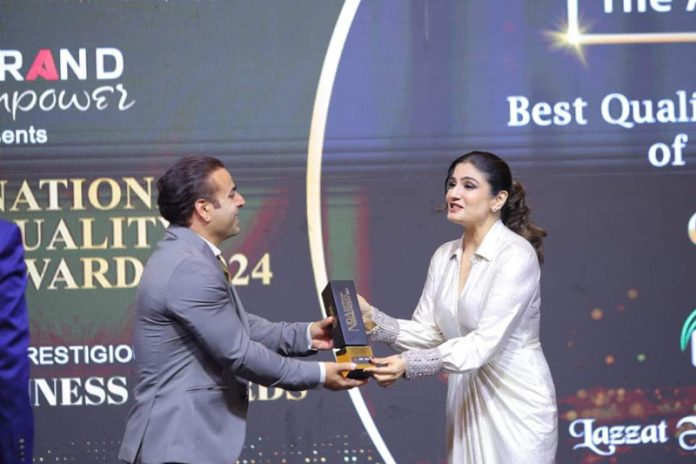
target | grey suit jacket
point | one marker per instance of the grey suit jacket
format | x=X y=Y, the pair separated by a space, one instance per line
x=195 y=350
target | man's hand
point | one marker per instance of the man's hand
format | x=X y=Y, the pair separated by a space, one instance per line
x=335 y=381
x=320 y=332
x=366 y=312
x=387 y=370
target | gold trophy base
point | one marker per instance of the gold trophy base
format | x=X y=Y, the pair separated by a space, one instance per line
x=360 y=355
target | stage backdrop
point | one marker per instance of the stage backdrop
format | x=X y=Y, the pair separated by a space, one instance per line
x=338 y=121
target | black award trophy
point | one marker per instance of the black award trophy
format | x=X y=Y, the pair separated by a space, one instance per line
x=341 y=302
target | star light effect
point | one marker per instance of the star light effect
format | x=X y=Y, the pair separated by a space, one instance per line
x=569 y=38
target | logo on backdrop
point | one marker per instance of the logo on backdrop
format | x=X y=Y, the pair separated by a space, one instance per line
x=688 y=336
x=603 y=440
x=28 y=74
x=104 y=63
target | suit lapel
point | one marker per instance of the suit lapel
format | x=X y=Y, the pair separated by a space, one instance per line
x=197 y=243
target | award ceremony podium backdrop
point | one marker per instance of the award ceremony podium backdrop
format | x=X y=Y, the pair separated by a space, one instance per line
x=338 y=120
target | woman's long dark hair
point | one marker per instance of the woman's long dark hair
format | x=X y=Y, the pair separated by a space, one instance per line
x=515 y=212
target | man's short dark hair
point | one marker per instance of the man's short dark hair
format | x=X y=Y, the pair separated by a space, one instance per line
x=187 y=181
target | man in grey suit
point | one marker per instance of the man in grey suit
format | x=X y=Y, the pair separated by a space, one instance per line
x=196 y=348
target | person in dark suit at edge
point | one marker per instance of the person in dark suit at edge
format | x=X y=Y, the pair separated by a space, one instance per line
x=196 y=348
x=16 y=418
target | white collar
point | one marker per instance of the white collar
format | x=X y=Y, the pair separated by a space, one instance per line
x=216 y=251
x=488 y=246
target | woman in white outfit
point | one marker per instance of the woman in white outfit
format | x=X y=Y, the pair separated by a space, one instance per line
x=478 y=320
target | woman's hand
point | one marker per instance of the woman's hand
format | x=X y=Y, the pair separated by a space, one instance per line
x=387 y=370
x=366 y=311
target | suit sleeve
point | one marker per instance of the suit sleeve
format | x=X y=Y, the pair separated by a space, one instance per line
x=198 y=298
x=286 y=338
x=16 y=420
x=14 y=320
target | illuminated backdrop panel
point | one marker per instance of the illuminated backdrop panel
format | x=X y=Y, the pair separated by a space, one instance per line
x=592 y=103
